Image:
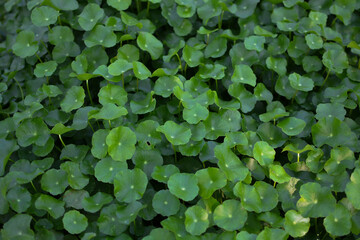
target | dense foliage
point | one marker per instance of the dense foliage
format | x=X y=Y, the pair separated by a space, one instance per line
x=179 y=119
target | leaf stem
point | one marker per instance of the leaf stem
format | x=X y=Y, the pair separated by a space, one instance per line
x=21 y=91
x=316 y=226
x=333 y=22
x=109 y=124
x=216 y=85
x=220 y=19
x=38 y=57
x=147 y=8
x=91 y=126
x=88 y=90
x=324 y=236
x=274 y=184
x=32 y=184
x=174 y=152
x=326 y=78
x=62 y=141
x=298 y=157
x=180 y=64
x=138 y=7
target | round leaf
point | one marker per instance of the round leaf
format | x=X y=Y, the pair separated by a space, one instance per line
x=121 y=143
x=183 y=186
x=292 y=126
x=196 y=220
x=230 y=215
x=74 y=222
x=295 y=224
x=74 y=99
x=174 y=133
x=44 y=16
x=130 y=185
x=165 y=203
x=263 y=153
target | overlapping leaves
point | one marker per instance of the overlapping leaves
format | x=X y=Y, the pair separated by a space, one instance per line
x=179 y=119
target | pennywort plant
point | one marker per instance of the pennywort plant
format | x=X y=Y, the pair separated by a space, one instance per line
x=178 y=119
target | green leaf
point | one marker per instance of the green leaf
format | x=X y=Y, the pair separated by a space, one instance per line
x=119 y=5
x=109 y=111
x=163 y=173
x=54 y=181
x=147 y=42
x=60 y=129
x=19 y=199
x=7 y=148
x=292 y=126
x=216 y=48
x=32 y=131
x=333 y=132
x=74 y=222
x=301 y=83
x=140 y=70
x=96 y=202
x=244 y=74
x=99 y=148
x=25 y=46
x=102 y=36
x=90 y=15
x=352 y=188
x=272 y=233
x=183 y=186
x=330 y=110
x=230 y=164
x=174 y=133
x=278 y=174
x=50 y=204
x=44 y=16
x=147 y=104
x=335 y=60
x=74 y=99
x=230 y=215
x=45 y=69
x=277 y=64
x=119 y=67
x=165 y=203
x=210 y=180
x=121 y=143
x=130 y=185
x=192 y=56
x=314 y=41
x=164 y=85
x=255 y=43
x=196 y=220
x=18 y=227
x=295 y=224
x=195 y=114
x=263 y=153
x=66 y=5
x=315 y=201
x=106 y=169
x=112 y=94
x=261 y=197
x=76 y=179
x=341 y=159
x=338 y=222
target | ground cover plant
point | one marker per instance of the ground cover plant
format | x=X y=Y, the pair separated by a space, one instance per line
x=179 y=119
